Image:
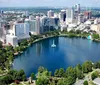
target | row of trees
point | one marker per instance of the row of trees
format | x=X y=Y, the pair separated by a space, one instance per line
x=68 y=76
x=12 y=76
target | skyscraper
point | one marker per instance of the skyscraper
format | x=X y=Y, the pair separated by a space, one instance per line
x=77 y=8
x=62 y=15
x=69 y=15
x=38 y=30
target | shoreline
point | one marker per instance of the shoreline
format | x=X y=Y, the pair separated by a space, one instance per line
x=60 y=35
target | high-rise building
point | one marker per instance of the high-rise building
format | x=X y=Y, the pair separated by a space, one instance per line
x=62 y=15
x=21 y=30
x=69 y=15
x=77 y=8
x=50 y=13
x=33 y=28
x=38 y=30
x=88 y=14
x=80 y=18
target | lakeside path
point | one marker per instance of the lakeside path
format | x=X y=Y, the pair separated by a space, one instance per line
x=87 y=78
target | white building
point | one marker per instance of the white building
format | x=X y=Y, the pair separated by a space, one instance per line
x=21 y=30
x=50 y=13
x=38 y=28
x=80 y=18
x=11 y=40
x=77 y=8
x=69 y=15
x=62 y=15
x=33 y=26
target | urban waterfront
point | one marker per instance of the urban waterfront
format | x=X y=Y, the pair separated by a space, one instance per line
x=69 y=52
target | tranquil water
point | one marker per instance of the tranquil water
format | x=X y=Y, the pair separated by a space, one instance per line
x=69 y=52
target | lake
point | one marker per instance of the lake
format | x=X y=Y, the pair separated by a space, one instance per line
x=68 y=52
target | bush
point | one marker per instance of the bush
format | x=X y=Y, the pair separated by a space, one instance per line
x=94 y=75
x=85 y=83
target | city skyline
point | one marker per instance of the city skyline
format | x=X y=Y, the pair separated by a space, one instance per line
x=49 y=3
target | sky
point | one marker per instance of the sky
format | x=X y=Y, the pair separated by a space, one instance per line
x=49 y=3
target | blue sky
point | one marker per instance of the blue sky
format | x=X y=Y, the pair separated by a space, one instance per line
x=34 y=3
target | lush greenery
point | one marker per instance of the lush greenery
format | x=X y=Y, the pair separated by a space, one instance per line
x=12 y=76
x=85 y=82
x=64 y=76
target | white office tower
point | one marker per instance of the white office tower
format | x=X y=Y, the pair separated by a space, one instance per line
x=69 y=15
x=33 y=26
x=21 y=30
x=2 y=34
x=38 y=30
x=50 y=13
x=62 y=15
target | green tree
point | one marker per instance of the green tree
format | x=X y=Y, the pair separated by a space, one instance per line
x=24 y=77
x=61 y=82
x=95 y=36
x=96 y=65
x=56 y=74
x=32 y=75
x=42 y=81
x=71 y=72
x=69 y=80
x=41 y=69
x=80 y=74
x=94 y=75
x=87 y=67
x=61 y=72
x=85 y=83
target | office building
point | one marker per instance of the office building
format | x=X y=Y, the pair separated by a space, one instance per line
x=21 y=30
x=62 y=16
x=50 y=13
x=88 y=15
x=77 y=8
x=80 y=18
x=69 y=15
x=11 y=40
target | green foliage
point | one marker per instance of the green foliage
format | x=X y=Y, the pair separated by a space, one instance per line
x=78 y=32
x=95 y=36
x=71 y=72
x=41 y=69
x=80 y=74
x=87 y=67
x=56 y=74
x=85 y=83
x=69 y=80
x=59 y=73
x=94 y=75
x=32 y=75
x=42 y=81
x=61 y=82
x=96 y=65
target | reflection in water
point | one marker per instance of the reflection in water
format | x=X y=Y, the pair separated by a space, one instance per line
x=69 y=52
x=38 y=49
